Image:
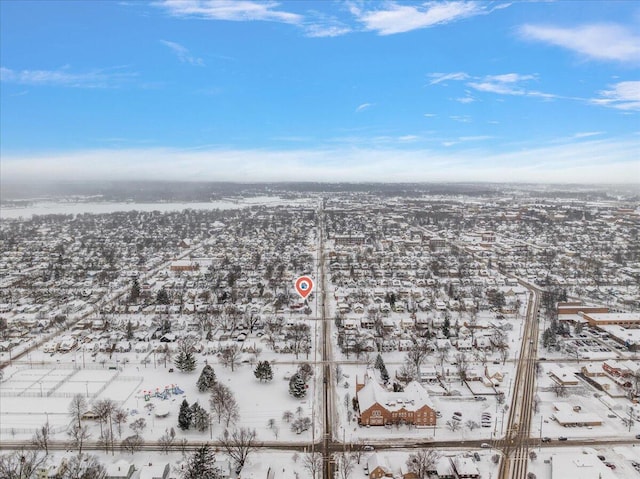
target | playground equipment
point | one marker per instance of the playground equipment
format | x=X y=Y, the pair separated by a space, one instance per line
x=163 y=394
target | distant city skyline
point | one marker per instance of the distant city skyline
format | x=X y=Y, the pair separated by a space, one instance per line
x=320 y=91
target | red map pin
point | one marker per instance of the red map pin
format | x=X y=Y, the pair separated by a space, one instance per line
x=304 y=286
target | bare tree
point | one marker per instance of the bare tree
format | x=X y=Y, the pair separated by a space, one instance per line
x=423 y=462
x=223 y=403
x=358 y=445
x=230 y=356
x=417 y=353
x=287 y=416
x=21 y=464
x=443 y=354
x=77 y=408
x=345 y=462
x=166 y=440
x=453 y=425
x=79 y=434
x=104 y=410
x=462 y=365
x=84 y=467
x=559 y=389
x=138 y=425
x=132 y=443
x=238 y=445
x=312 y=462
x=471 y=425
x=299 y=334
x=42 y=437
x=120 y=417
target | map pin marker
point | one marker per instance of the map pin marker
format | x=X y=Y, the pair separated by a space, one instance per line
x=304 y=286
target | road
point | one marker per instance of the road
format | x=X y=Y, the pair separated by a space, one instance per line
x=516 y=442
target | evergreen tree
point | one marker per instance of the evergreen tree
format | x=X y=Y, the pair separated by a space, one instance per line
x=184 y=416
x=379 y=362
x=162 y=297
x=185 y=360
x=263 y=371
x=380 y=366
x=129 y=332
x=297 y=387
x=134 y=293
x=207 y=379
x=446 y=324
x=200 y=418
x=201 y=465
x=384 y=374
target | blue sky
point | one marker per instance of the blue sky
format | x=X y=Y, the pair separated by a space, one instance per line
x=320 y=91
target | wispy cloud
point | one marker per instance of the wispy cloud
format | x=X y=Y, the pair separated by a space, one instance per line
x=507 y=84
x=596 y=41
x=106 y=78
x=183 y=53
x=504 y=84
x=623 y=96
x=394 y=18
x=586 y=134
x=443 y=77
x=592 y=161
x=318 y=30
x=231 y=10
x=461 y=118
x=363 y=107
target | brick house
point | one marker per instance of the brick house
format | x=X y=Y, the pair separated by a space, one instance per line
x=378 y=407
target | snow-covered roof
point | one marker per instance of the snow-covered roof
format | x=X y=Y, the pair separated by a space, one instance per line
x=375 y=460
x=413 y=398
x=585 y=466
x=464 y=466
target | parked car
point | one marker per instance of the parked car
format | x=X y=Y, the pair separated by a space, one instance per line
x=546 y=439
x=562 y=438
x=485 y=445
x=367 y=448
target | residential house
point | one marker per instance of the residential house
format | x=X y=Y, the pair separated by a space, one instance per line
x=465 y=468
x=378 y=466
x=121 y=469
x=154 y=471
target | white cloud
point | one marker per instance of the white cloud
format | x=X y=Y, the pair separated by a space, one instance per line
x=476 y=138
x=394 y=18
x=510 y=78
x=465 y=99
x=442 y=77
x=597 y=41
x=319 y=30
x=623 y=96
x=183 y=53
x=232 y=10
x=64 y=77
x=592 y=161
x=363 y=107
x=461 y=118
x=586 y=134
